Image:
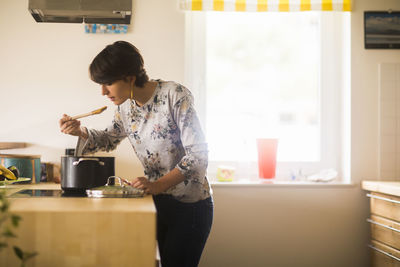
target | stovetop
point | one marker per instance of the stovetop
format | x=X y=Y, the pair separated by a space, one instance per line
x=28 y=193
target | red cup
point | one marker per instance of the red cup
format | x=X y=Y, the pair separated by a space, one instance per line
x=267 y=157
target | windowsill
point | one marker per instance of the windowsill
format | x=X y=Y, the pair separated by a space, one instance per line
x=272 y=182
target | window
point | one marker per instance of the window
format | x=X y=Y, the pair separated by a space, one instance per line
x=276 y=74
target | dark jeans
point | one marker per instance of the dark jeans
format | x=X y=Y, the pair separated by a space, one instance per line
x=182 y=230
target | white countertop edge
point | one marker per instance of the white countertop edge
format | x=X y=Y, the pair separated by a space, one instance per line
x=384 y=187
x=267 y=183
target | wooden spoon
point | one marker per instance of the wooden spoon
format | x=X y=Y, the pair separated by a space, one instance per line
x=94 y=112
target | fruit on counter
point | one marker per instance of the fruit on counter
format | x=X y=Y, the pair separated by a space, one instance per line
x=6 y=174
x=14 y=170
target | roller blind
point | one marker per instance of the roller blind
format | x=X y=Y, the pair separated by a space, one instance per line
x=266 y=5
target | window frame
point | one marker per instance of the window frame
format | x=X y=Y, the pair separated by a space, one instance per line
x=334 y=88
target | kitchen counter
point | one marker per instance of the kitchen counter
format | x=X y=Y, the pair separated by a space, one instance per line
x=384 y=221
x=389 y=187
x=71 y=231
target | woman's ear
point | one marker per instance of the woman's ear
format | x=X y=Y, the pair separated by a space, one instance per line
x=132 y=80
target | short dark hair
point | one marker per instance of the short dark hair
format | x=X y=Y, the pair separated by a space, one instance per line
x=118 y=61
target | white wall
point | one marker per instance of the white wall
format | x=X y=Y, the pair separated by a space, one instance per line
x=44 y=74
x=365 y=96
x=285 y=226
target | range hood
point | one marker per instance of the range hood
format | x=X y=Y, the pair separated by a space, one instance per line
x=82 y=11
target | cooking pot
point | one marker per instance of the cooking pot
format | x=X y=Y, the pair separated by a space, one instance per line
x=81 y=173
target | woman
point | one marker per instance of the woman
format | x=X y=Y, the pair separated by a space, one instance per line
x=160 y=122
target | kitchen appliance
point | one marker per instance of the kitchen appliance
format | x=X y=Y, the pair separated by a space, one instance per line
x=28 y=193
x=81 y=173
x=29 y=166
x=81 y=11
x=109 y=190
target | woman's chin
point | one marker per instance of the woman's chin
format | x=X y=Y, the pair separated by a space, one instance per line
x=118 y=101
x=115 y=102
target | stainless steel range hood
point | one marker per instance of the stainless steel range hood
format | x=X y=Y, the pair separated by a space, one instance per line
x=82 y=11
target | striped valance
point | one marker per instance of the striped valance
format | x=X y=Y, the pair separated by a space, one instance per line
x=266 y=5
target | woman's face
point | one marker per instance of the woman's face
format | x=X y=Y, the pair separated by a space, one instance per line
x=118 y=92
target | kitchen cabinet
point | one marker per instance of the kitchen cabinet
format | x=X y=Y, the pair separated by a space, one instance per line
x=78 y=231
x=384 y=221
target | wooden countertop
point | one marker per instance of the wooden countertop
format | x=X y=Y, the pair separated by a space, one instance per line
x=72 y=231
x=78 y=204
x=384 y=187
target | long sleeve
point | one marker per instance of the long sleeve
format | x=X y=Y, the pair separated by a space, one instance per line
x=103 y=140
x=195 y=162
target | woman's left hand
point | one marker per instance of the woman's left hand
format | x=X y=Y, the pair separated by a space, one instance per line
x=149 y=187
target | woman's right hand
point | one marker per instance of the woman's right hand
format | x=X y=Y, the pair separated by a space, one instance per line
x=72 y=127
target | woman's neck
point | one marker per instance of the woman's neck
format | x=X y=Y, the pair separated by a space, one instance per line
x=142 y=94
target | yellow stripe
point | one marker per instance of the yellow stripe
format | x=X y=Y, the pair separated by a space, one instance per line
x=240 y=5
x=283 y=5
x=305 y=5
x=262 y=5
x=346 y=5
x=326 y=5
x=197 y=5
x=218 y=5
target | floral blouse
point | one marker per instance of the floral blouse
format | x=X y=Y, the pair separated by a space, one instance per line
x=165 y=133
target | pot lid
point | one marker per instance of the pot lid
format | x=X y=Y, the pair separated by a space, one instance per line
x=115 y=191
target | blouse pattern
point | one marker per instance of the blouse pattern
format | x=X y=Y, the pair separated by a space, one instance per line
x=165 y=133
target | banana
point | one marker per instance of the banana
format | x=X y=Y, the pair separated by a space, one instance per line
x=7 y=173
x=14 y=170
